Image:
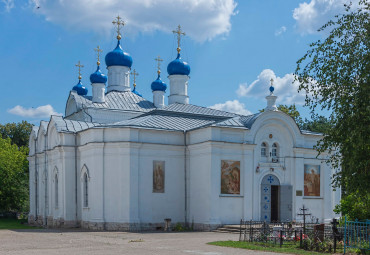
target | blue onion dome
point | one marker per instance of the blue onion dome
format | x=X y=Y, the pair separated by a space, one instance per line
x=80 y=89
x=98 y=76
x=118 y=57
x=136 y=92
x=178 y=66
x=158 y=84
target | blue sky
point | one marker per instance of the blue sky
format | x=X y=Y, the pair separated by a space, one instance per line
x=233 y=47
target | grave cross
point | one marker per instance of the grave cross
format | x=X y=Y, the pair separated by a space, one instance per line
x=304 y=214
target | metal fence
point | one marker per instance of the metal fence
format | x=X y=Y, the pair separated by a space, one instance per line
x=308 y=236
x=357 y=235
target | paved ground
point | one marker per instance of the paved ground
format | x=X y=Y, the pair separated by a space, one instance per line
x=44 y=241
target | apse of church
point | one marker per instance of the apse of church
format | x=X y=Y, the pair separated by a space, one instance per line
x=118 y=161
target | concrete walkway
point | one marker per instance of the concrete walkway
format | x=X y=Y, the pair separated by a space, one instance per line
x=46 y=241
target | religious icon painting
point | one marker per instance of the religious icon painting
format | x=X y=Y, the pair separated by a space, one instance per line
x=158 y=176
x=311 y=180
x=230 y=177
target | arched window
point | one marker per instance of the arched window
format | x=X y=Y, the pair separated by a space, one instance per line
x=56 y=192
x=86 y=190
x=275 y=152
x=263 y=149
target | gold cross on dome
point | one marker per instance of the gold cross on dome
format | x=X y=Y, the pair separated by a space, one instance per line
x=179 y=33
x=272 y=82
x=118 y=22
x=134 y=73
x=98 y=51
x=159 y=60
x=79 y=70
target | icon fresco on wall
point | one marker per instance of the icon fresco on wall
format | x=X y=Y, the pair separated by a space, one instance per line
x=312 y=180
x=158 y=176
x=230 y=177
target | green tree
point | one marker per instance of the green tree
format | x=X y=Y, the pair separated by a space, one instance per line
x=335 y=74
x=19 y=133
x=13 y=177
x=318 y=124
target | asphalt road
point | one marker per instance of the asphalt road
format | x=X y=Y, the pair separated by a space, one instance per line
x=51 y=241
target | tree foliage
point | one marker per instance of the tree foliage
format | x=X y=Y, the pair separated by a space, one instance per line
x=13 y=176
x=19 y=133
x=335 y=73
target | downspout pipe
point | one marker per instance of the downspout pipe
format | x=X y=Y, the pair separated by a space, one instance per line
x=185 y=178
x=46 y=181
x=36 y=183
x=76 y=177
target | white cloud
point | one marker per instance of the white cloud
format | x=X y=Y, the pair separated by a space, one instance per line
x=285 y=88
x=201 y=19
x=232 y=106
x=311 y=16
x=9 y=4
x=280 y=31
x=39 y=112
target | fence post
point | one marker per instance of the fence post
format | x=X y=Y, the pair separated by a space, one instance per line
x=345 y=234
x=281 y=238
x=335 y=242
x=241 y=224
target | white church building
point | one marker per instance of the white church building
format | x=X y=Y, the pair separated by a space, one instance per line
x=117 y=161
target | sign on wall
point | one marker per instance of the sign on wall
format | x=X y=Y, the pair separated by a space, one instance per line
x=312 y=180
x=158 y=176
x=230 y=177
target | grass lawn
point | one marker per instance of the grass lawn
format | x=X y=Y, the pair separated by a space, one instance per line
x=14 y=224
x=291 y=249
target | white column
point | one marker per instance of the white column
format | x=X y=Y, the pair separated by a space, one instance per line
x=158 y=98
x=98 y=92
x=178 y=89
x=118 y=78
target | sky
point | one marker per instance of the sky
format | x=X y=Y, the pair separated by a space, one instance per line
x=234 y=48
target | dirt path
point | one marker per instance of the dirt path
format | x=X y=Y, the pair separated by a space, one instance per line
x=44 y=241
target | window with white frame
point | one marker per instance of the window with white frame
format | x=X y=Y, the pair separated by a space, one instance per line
x=86 y=191
x=263 y=149
x=274 y=152
x=56 y=192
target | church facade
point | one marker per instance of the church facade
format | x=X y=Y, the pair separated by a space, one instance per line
x=117 y=161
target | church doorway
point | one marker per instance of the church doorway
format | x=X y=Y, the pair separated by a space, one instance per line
x=270 y=196
x=276 y=200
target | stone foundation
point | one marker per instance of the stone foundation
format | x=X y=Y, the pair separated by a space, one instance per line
x=115 y=226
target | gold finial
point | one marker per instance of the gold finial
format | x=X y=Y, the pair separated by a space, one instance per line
x=179 y=33
x=119 y=22
x=159 y=60
x=134 y=73
x=98 y=51
x=272 y=82
x=79 y=70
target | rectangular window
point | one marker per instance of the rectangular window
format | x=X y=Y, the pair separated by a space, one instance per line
x=263 y=152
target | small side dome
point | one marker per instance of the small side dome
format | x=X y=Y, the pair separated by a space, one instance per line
x=158 y=84
x=118 y=57
x=136 y=92
x=178 y=66
x=271 y=89
x=80 y=89
x=98 y=76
